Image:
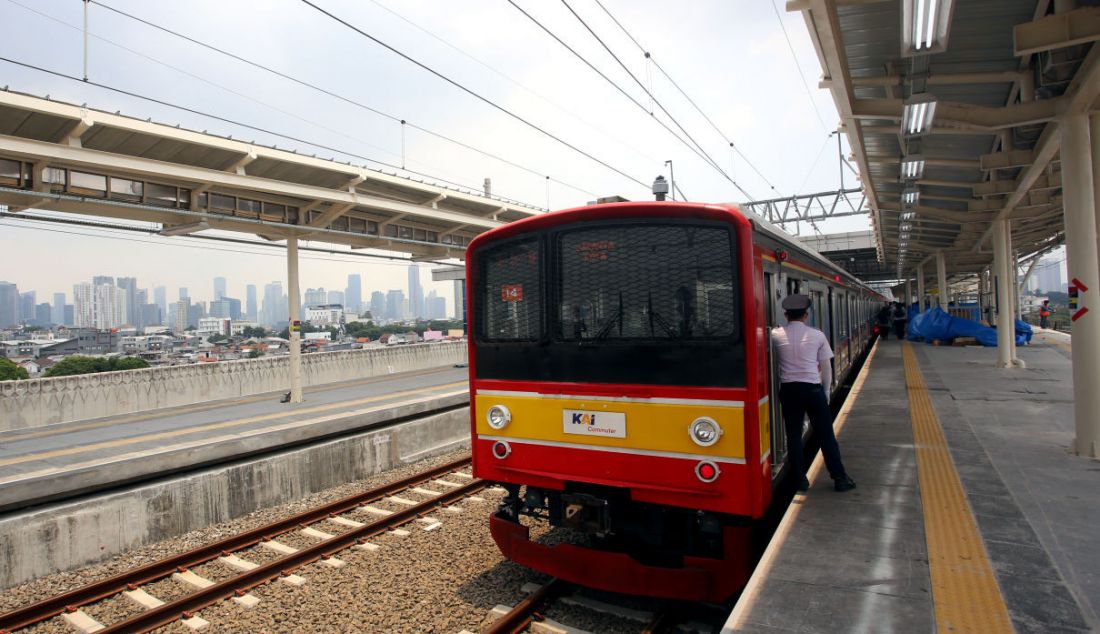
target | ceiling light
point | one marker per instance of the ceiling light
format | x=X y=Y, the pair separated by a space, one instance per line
x=917 y=114
x=910 y=195
x=924 y=26
x=907 y=215
x=912 y=167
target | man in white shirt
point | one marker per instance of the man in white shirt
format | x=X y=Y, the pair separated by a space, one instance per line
x=805 y=377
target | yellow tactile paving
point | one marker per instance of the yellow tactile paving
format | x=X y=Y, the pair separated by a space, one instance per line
x=964 y=590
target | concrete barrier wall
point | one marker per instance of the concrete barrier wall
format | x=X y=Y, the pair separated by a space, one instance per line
x=69 y=535
x=37 y=402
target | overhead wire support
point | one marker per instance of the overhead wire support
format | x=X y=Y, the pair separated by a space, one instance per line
x=474 y=94
x=327 y=92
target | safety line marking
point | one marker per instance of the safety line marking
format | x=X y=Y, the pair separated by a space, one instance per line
x=965 y=593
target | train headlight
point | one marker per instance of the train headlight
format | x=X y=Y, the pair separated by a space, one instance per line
x=705 y=431
x=498 y=417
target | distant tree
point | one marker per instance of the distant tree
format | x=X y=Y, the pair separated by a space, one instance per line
x=10 y=371
x=258 y=331
x=77 y=364
x=217 y=338
x=190 y=327
x=255 y=353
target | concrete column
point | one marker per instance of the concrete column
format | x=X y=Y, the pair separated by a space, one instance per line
x=294 y=300
x=1080 y=177
x=941 y=278
x=1006 y=331
x=908 y=294
x=920 y=287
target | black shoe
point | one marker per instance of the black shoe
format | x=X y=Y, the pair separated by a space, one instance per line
x=804 y=485
x=843 y=484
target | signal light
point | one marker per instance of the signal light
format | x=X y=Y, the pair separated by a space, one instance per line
x=501 y=450
x=707 y=471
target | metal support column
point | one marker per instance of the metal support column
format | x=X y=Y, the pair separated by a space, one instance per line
x=908 y=294
x=941 y=278
x=294 y=301
x=1080 y=177
x=1006 y=330
x=920 y=287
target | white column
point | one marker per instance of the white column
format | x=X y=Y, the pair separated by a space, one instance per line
x=920 y=287
x=941 y=278
x=1006 y=331
x=908 y=294
x=294 y=300
x=1080 y=177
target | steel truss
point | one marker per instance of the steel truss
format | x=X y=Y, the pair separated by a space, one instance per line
x=811 y=207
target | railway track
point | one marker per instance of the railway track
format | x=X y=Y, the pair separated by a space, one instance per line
x=528 y=613
x=248 y=575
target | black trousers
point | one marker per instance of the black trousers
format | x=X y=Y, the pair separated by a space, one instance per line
x=798 y=400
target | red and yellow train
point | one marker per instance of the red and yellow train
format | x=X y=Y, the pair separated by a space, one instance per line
x=621 y=387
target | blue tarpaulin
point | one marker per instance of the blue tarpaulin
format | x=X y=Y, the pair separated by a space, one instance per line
x=937 y=324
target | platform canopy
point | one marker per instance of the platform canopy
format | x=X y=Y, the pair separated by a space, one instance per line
x=70 y=158
x=952 y=111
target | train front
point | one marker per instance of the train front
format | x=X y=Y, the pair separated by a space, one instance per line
x=611 y=397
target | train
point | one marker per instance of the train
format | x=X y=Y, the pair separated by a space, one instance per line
x=623 y=393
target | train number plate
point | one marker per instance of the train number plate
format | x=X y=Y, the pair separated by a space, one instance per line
x=606 y=424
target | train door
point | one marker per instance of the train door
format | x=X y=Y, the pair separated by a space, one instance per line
x=779 y=435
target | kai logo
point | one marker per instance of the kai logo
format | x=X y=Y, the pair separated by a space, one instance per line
x=606 y=424
x=584 y=418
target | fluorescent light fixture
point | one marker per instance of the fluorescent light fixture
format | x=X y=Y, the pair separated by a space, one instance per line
x=907 y=215
x=910 y=195
x=917 y=114
x=924 y=26
x=184 y=229
x=912 y=167
x=906 y=226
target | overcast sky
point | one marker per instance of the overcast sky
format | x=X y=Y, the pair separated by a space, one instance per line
x=730 y=56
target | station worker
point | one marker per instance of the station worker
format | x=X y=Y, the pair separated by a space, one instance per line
x=805 y=374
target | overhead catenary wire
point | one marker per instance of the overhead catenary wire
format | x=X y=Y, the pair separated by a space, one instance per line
x=700 y=150
x=650 y=58
x=513 y=80
x=321 y=90
x=475 y=94
x=619 y=88
x=794 y=58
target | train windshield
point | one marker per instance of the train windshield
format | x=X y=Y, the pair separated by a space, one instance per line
x=656 y=282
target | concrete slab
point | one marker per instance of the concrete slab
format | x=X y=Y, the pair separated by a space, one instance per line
x=73 y=458
x=143 y=599
x=81 y=622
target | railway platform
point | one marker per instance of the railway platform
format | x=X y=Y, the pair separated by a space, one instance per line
x=970 y=514
x=66 y=459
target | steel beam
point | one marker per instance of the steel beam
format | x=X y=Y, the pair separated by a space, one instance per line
x=1060 y=30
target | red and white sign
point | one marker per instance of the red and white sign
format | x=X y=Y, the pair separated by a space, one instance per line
x=511 y=292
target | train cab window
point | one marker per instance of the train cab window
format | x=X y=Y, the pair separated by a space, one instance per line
x=510 y=301
x=652 y=282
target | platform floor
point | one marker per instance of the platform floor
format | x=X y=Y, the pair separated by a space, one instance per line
x=64 y=458
x=901 y=553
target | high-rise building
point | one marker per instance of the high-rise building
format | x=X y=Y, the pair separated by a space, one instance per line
x=416 y=293
x=395 y=304
x=183 y=308
x=1048 y=277
x=353 y=294
x=103 y=279
x=42 y=314
x=226 y=308
x=137 y=317
x=250 y=303
x=70 y=315
x=274 y=309
x=27 y=302
x=219 y=288
x=335 y=297
x=160 y=298
x=57 y=311
x=83 y=305
x=183 y=293
x=9 y=304
x=131 y=309
x=151 y=315
x=316 y=297
x=435 y=307
x=378 y=305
